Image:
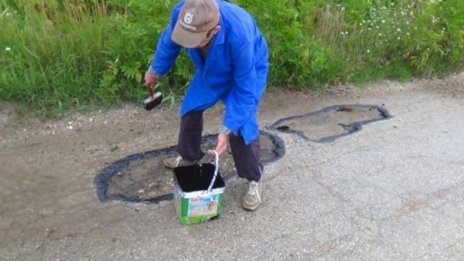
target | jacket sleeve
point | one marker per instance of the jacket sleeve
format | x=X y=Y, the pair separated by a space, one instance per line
x=242 y=100
x=166 y=51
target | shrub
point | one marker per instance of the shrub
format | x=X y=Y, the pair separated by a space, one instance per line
x=58 y=55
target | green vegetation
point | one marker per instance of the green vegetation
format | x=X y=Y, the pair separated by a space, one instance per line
x=58 y=55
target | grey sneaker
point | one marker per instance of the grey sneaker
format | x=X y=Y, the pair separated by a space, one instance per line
x=178 y=161
x=252 y=198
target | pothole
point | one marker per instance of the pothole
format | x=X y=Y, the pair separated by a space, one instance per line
x=142 y=177
x=332 y=122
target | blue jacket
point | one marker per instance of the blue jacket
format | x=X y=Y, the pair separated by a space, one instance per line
x=234 y=72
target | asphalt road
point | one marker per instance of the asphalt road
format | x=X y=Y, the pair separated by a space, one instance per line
x=392 y=191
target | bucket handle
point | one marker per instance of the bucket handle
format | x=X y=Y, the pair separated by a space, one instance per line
x=216 y=156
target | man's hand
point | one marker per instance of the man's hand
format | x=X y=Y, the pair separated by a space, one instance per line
x=221 y=146
x=150 y=81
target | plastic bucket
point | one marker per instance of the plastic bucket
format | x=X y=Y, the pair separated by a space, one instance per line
x=198 y=192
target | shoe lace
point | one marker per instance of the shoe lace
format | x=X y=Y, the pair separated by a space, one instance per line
x=253 y=189
x=177 y=161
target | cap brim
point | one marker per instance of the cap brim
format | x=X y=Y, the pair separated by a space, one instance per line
x=185 y=38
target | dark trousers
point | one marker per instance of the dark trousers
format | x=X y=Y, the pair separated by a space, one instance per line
x=246 y=157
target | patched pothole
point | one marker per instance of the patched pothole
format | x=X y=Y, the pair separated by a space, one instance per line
x=332 y=122
x=143 y=178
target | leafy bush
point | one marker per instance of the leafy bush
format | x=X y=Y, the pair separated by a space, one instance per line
x=57 y=55
x=77 y=54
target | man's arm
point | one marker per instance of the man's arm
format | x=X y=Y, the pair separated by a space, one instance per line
x=166 y=51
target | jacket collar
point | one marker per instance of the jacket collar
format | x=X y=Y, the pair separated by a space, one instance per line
x=219 y=39
x=220 y=36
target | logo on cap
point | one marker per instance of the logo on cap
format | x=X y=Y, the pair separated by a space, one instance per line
x=188 y=18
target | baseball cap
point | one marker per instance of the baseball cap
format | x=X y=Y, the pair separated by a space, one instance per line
x=196 y=18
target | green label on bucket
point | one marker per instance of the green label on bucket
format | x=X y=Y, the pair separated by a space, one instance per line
x=202 y=206
x=198 y=209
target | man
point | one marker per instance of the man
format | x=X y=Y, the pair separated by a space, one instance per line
x=231 y=60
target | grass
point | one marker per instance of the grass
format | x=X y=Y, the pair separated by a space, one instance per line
x=61 y=55
x=54 y=56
